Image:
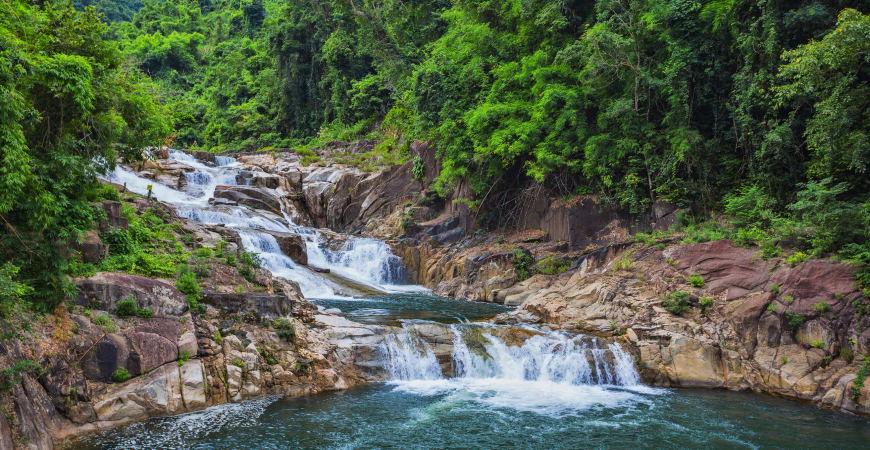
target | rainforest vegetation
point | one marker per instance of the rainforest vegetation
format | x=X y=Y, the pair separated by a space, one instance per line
x=756 y=108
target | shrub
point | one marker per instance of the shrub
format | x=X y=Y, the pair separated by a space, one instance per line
x=788 y=298
x=204 y=252
x=817 y=344
x=796 y=259
x=821 y=307
x=795 y=319
x=127 y=308
x=696 y=280
x=706 y=302
x=250 y=259
x=188 y=286
x=847 y=354
x=613 y=325
x=522 y=262
x=774 y=288
x=552 y=265
x=145 y=313
x=624 y=263
x=661 y=246
x=771 y=307
x=202 y=271
x=246 y=273
x=784 y=360
x=231 y=260
x=12 y=376
x=859 y=379
x=418 y=170
x=677 y=302
x=121 y=375
x=217 y=336
x=238 y=363
x=285 y=329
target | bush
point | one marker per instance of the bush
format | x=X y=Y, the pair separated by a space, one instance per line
x=188 y=286
x=250 y=259
x=522 y=262
x=204 y=252
x=847 y=354
x=771 y=307
x=127 y=308
x=553 y=265
x=706 y=302
x=285 y=328
x=145 y=313
x=12 y=376
x=677 y=302
x=796 y=259
x=750 y=205
x=821 y=307
x=795 y=319
x=817 y=344
x=696 y=280
x=774 y=288
x=418 y=170
x=121 y=375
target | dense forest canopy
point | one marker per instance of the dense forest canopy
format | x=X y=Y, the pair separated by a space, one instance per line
x=758 y=108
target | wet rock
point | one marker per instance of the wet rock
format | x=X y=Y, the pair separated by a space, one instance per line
x=254 y=197
x=292 y=245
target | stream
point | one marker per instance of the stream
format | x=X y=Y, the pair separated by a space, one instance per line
x=519 y=387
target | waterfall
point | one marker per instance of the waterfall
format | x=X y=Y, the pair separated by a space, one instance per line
x=479 y=353
x=366 y=261
x=363 y=259
x=410 y=357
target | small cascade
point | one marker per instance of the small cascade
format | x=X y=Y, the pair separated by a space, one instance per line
x=224 y=161
x=410 y=357
x=514 y=354
x=363 y=259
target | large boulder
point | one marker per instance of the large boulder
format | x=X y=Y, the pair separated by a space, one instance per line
x=254 y=197
x=152 y=350
x=292 y=245
x=109 y=289
x=113 y=219
x=111 y=353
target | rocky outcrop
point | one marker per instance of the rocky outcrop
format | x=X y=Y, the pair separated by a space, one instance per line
x=745 y=338
x=253 y=197
x=263 y=304
x=105 y=290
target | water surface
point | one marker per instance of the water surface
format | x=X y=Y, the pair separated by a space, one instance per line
x=391 y=309
x=402 y=416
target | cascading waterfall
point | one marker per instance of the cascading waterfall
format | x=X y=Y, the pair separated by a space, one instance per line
x=363 y=259
x=410 y=357
x=549 y=357
x=367 y=261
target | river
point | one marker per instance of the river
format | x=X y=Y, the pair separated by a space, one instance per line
x=511 y=387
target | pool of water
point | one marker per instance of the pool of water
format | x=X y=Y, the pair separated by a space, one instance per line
x=450 y=415
x=391 y=309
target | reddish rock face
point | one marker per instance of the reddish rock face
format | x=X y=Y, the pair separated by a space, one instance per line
x=109 y=289
x=152 y=350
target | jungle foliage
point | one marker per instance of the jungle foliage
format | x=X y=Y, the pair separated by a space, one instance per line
x=70 y=108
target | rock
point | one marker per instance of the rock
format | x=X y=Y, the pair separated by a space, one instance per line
x=152 y=350
x=292 y=245
x=193 y=387
x=206 y=157
x=111 y=353
x=109 y=289
x=91 y=248
x=254 y=197
x=234 y=380
x=155 y=394
x=113 y=219
x=264 y=304
x=187 y=344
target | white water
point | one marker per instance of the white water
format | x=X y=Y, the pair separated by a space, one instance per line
x=366 y=261
x=548 y=374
